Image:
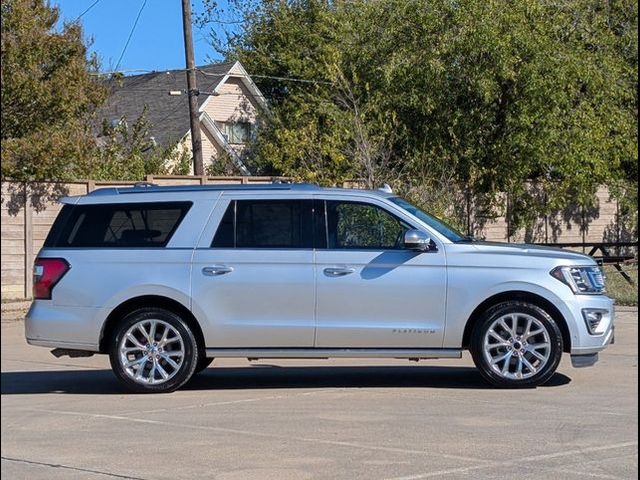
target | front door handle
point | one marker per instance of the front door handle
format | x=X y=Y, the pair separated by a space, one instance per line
x=216 y=270
x=338 y=271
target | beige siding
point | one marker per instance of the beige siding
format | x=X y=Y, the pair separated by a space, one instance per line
x=234 y=103
x=210 y=148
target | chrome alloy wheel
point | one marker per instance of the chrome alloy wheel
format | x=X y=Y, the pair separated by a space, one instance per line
x=517 y=346
x=151 y=352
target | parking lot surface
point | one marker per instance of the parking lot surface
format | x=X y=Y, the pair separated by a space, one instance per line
x=326 y=419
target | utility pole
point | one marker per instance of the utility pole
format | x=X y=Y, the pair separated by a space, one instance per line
x=192 y=89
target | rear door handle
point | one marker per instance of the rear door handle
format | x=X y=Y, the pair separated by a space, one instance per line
x=338 y=271
x=216 y=270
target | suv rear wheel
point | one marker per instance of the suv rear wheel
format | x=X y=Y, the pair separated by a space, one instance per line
x=153 y=351
x=516 y=344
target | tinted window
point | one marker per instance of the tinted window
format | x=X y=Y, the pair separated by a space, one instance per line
x=117 y=225
x=225 y=236
x=363 y=226
x=435 y=223
x=266 y=224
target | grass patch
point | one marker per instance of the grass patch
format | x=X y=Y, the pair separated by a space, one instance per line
x=618 y=288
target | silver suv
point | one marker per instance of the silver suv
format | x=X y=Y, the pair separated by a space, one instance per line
x=164 y=279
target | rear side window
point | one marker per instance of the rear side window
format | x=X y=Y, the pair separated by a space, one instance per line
x=116 y=225
x=266 y=224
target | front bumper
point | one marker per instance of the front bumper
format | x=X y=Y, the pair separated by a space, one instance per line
x=585 y=346
x=582 y=341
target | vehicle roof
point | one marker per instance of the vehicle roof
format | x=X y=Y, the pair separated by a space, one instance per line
x=143 y=188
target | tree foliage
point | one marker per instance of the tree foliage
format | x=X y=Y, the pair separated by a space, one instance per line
x=50 y=99
x=534 y=98
x=48 y=94
x=126 y=151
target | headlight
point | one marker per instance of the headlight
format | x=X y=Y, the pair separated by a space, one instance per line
x=582 y=280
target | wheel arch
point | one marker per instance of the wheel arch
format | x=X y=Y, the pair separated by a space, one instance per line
x=147 y=301
x=520 y=295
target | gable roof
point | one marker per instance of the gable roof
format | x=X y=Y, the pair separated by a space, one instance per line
x=168 y=115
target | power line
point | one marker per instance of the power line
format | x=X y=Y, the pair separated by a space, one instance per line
x=166 y=91
x=270 y=77
x=208 y=74
x=135 y=24
x=86 y=10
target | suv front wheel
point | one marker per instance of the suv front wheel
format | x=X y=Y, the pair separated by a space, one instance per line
x=516 y=344
x=153 y=351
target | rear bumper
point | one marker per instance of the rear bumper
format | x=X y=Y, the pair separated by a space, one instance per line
x=47 y=325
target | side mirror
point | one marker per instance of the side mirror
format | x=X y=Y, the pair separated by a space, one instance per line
x=417 y=240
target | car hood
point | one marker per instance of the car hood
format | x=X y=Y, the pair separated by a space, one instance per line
x=527 y=250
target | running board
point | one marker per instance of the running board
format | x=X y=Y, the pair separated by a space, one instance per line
x=411 y=353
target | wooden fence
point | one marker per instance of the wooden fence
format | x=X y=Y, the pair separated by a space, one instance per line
x=25 y=224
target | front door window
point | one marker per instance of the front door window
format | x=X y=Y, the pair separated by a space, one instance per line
x=362 y=226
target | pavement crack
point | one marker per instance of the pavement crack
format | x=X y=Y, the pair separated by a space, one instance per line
x=67 y=467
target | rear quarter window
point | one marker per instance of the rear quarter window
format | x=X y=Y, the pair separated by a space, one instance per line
x=273 y=223
x=117 y=225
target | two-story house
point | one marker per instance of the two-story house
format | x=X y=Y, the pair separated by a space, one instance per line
x=228 y=107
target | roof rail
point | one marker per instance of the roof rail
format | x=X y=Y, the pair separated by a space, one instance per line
x=145 y=187
x=144 y=184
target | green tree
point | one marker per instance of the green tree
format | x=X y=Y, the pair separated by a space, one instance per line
x=537 y=99
x=126 y=151
x=48 y=94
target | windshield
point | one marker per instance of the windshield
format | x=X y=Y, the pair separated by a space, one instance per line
x=438 y=225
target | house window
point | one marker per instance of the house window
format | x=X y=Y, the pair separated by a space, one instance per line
x=237 y=132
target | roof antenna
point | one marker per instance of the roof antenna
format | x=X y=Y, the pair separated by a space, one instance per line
x=386 y=188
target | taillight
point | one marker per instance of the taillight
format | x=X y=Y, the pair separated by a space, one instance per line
x=47 y=272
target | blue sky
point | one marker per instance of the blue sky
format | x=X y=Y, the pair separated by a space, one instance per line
x=157 y=42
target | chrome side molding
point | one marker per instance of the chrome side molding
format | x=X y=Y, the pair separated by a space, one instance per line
x=408 y=353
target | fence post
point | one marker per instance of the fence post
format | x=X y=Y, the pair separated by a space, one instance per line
x=28 y=243
x=468 y=202
x=583 y=227
x=618 y=226
x=546 y=219
x=508 y=217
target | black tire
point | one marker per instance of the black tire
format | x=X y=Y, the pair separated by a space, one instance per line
x=203 y=363
x=545 y=371
x=180 y=375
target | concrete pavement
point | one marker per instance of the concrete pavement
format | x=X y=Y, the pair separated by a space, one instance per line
x=326 y=419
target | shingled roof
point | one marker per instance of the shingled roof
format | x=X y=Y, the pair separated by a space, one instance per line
x=167 y=115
